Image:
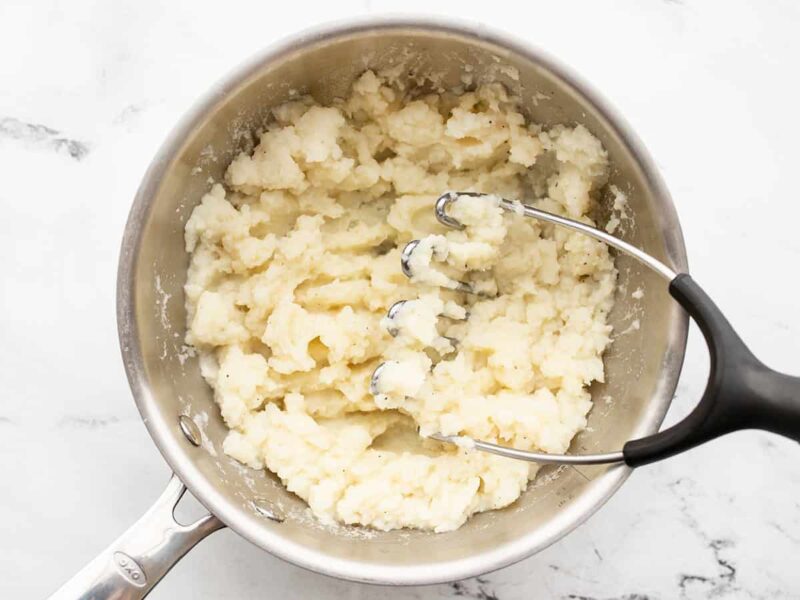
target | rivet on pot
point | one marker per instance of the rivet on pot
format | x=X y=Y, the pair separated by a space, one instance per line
x=265 y=509
x=189 y=429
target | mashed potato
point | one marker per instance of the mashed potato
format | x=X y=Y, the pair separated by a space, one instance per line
x=296 y=260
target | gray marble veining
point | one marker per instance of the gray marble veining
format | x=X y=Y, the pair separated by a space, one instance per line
x=42 y=136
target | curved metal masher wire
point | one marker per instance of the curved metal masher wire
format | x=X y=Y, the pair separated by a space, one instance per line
x=374 y=380
x=525 y=210
x=538 y=457
x=528 y=211
x=391 y=315
x=405 y=265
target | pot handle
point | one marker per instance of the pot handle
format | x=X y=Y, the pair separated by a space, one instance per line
x=742 y=392
x=132 y=565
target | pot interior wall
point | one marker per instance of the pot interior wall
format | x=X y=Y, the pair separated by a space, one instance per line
x=636 y=382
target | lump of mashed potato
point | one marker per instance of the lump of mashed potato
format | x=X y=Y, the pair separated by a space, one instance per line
x=295 y=260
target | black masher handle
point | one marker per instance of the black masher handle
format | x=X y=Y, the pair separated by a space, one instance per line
x=742 y=392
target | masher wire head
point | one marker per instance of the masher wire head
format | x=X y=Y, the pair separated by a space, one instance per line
x=441 y=205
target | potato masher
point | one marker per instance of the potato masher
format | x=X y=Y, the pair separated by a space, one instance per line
x=741 y=393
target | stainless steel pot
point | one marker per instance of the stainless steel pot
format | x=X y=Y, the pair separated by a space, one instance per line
x=177 y=406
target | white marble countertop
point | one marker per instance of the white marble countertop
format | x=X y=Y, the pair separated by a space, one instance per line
x=88 y=90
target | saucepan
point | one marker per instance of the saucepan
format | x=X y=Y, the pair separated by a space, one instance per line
x=177 y=407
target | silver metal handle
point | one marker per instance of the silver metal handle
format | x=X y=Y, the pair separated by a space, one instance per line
x=131 y=566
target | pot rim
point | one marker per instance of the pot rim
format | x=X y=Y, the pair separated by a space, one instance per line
x=161 y=430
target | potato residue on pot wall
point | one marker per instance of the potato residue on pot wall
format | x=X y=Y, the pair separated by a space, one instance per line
x=295 y=262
